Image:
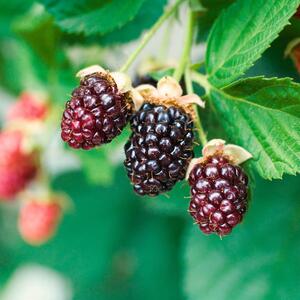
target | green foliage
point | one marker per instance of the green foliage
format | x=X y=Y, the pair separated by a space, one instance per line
x=259 y=260
x=9 y=10
x=20 y=68
x=207 y=16
x=99 y=18
x=147 y=15
x=262 y=115
x=241 y=34
x=100 y=164
x=105 y=244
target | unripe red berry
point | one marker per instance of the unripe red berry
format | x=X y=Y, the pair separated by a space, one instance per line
x=29 y=107
x=17 y=167
x=38 y=221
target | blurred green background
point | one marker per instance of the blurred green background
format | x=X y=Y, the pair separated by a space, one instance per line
x=112 y=244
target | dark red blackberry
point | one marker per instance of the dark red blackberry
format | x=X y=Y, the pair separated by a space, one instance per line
x=96 y=112
x=160 y=148
x=219 y=195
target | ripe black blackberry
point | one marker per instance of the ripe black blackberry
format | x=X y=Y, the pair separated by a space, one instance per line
x=96 y=113
x=219 y=194
x=159 y=149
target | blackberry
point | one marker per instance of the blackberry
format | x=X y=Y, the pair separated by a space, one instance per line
x=96 y=113
x=219 y=194
x=159 y=149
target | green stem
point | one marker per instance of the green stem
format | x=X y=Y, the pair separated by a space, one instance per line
x=201 y=80
x=185 y=57
x=149 y=34
x=190 y=90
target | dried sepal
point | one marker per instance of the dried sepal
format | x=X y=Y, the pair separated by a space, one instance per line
x=137 y=99
x=168 y=87
x=169 y=92
x=236 y=154
x=191 y=99
x=123 y=81
x=147 y=90
x=90 y=70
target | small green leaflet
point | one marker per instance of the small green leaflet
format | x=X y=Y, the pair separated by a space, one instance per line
x=241 y=34
x=105 y=18
x=263 y=116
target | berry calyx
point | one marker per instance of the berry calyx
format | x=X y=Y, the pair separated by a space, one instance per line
x=17 y=166
x=29 y=107
x=219 y=188
x=98 y=109
x=38 y=220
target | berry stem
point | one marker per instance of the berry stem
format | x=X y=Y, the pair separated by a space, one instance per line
x=201 y=80
x=149 y=34
x=197 y=120
x=185 y=57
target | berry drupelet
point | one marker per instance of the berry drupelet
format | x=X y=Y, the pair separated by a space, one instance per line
x=159 y=149
x=97 y=111
x=219 y=190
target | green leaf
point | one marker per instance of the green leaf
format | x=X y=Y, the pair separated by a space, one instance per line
x=207 y=16
x=20 y=68
x=241 y=34
x=147 y=15
x=93 y=18
x=259 y=260
x=38 y=30
x=10 y=10
x=263 y=116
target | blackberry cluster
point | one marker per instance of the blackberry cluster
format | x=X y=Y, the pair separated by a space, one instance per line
x=219 y=195
x=96 y=113
x=160 y=148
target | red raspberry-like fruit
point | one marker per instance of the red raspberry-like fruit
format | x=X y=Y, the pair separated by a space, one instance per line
x=38 y=221
x=160 y=148
x=96 y=113
x=17 y=168
x=219 y=194
x=29 y=107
